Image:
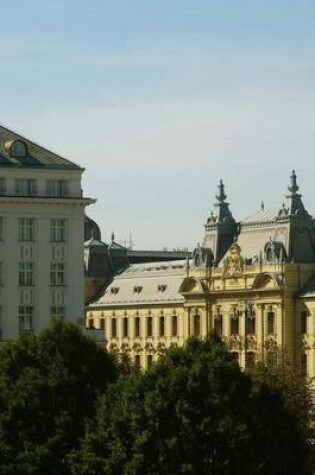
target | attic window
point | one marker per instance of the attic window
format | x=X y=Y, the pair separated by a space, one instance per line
x=18 y=149
x=114 y=290
x=162 y=287
x=137 y=289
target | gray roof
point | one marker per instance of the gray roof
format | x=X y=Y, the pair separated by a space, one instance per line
x=261 y=216
x=154 y=282
x=37 y=156
x=308 y=290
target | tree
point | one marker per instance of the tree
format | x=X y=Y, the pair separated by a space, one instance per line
x=194 y=412
x=48 y=386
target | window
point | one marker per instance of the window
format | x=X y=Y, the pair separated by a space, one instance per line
x=18 y=149
x=149 y=326
x=114 y=290
x=270 y=323
x=250 y=360
x=137 y=326
x=304 y=321
x=57 y=311
x=102 y=323
x=137 y=361
x=26 y=273
x=2 y=186
x=197 y=325
x=250 y=325
x=114 y=327
x=234 y=325
x=137 y=289
x=91 y=323
x=25 y=319
x=218 y=324
x=26 y=229
x=236 y=356
x=1 y=229
x=1 y=324
x=162 y=288
x=57 y=188
x=161 y=326
x=174 y=325
x=304 y=364
x=125 y=327
x=25 y=187
x=57 y=273
x=57 y=230
x=149 y=361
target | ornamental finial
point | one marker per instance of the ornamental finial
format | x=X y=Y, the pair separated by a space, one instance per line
x=293 y=187
x=221 y=196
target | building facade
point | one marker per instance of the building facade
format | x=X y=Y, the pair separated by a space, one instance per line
x=41 y=237
x=252 y=282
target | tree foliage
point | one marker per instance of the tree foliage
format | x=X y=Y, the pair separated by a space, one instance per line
x=194 y=412
x=48 y=387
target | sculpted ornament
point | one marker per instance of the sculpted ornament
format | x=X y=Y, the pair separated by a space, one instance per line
x=233 y=265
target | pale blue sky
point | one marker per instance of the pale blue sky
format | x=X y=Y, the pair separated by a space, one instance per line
x=160 y=99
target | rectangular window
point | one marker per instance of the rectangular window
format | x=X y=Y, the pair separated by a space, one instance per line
x=25 y=187
x=218 y=325
x=25 y=319
x=149 y=326
x=235 y=326
x=125 y=327
x=102 y=323
x=1 y=324
x=2 y=186
x=304 y=364
x=174 y=325
x=270 y=323
x=26 y=229
x=57 y=273
x=26 y=273
x=57 y=188
x=114 y=328
x=1 y=229
x=197 y=325
x=250 y=359
x=162 y=326
x=57 y=230
x=304 y=321
x=137 y=361
x=137 y=326
x=250 y=325
x=57 y=311
x=149 y=361
x=91 y=323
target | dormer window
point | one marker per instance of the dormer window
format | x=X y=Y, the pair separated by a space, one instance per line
x=137 y=289
x=17 y=148
x=114 y=290
x=162 y=287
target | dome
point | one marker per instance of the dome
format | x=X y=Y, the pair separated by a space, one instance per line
x=91 y=230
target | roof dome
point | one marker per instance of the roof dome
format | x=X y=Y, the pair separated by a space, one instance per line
x=91 y=230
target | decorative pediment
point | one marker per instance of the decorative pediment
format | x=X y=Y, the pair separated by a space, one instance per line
x=265 y=280
x=192 y=285
x=233 y=264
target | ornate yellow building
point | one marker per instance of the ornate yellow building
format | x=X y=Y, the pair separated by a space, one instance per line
x=253 y=282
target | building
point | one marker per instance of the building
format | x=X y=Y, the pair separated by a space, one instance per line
x=41 y=237
x=253 y=282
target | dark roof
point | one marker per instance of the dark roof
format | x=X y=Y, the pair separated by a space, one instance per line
x=308 y=290
x=36 y=155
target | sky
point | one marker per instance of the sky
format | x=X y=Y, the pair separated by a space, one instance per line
x=160 y=99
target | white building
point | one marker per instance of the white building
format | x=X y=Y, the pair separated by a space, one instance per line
x=41 y=237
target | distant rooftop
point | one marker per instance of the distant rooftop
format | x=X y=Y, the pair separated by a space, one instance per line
x=18 y=151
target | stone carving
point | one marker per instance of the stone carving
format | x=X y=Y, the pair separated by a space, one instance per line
x=233 y=265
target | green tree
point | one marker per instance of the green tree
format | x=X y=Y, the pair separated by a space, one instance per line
x=194 y=412
x=48 y=386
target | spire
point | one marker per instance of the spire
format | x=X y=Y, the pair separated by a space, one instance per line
x=293 y=187
x=221 y=196
x=262 y=206
x=113 y=236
